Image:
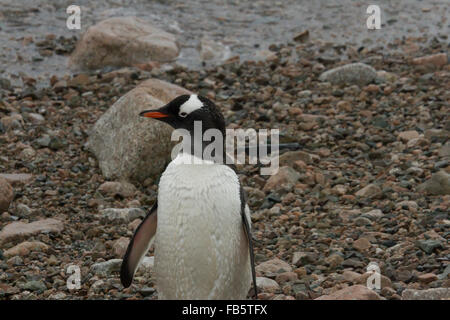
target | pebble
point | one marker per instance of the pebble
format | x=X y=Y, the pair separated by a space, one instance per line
x=23 y=210
x=113 y=188
x=17 y=179
x=429 y=245
x=6 y=195
x=147 y=291
x=427 y=277
x=369 y=191
x=267 y=285
x=428 y=294
x=374 y=214
x=355 y=73
x=36 y=118
x=122 y=215
x=120 y=246
x=272 y=267
x=355 y=292
x=24 y=248
x=20 y=229
x=106 y=267
x=438 y=184
x=351 y=276
x=438 y=60
x=361 y=244
x=334 y=260
x=34 y=285
x=57 y=296
x=284 y=277
x=406 y=136
x=284 y=176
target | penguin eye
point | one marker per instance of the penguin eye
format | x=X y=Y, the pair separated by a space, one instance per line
x=183 y=114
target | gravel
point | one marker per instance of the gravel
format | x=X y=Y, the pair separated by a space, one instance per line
x=356 y=176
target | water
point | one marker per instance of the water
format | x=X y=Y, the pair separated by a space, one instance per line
x=244 y=26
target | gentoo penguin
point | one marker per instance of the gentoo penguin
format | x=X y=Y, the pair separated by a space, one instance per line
x=200 y=223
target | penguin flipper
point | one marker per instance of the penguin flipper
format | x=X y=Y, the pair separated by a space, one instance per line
x=138 y=246
x=247 y=230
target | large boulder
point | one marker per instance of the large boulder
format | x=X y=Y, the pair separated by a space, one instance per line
x=127 y=146
x=123 y=41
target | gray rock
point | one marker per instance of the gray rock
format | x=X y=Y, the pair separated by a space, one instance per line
x=14 y=121
x=97 y=286
x=23 y=210
x=441 y=164
x=122 y=215
x=123 y=41
x=5 y=84
x=374 y=214
x=438 y=184
x=114 y=188
x=106 y=267
x=58 y=296
x=284 y=176
x=407 y=204
x=369 y=191
x=354 y=73
x=429 y=245
x=34 y=285
x=267 y=285
x=363 y=221
x=429 y=294
x=272 y=267
x=44 y=141
x=36 y=118
x=147 y=291
x=288 y=158
x=302 y=258
x=444 y=274
x=130 y=147
x=56 y=143
x=15 y=261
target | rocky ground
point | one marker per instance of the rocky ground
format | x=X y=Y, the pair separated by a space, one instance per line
x=370 y=182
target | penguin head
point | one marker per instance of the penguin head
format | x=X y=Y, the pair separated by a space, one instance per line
x=183 y=111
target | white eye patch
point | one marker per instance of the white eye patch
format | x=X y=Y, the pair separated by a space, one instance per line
x=189 y=106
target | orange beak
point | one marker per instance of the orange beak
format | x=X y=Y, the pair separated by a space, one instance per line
x=153 y=114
